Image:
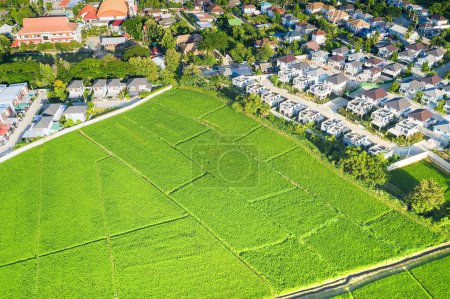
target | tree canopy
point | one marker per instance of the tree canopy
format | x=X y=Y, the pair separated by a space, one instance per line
x=426 y=197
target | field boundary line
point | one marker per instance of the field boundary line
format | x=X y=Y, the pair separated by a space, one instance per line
x=272 y=195
x=370 y=222
x=192 y=137
x=105 y=228
x=187 y=183
x=208 y=113
x=281 y=154
x=38 y=224
x=248 y=133
x=82 y=125
x=381 y=270
x=419 y=283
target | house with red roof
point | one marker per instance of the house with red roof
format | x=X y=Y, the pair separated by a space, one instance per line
x=88 y=13
x=48 y=30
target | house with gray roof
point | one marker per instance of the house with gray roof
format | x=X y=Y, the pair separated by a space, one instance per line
x=99 y=89
x=75 y=89
x=399 y=106
x=340 y=51
x=76 y=113
x=114 y=87
x=137 y=85
x=442 y=128
x=337 y=82
x=393 y=70
x=54 y=110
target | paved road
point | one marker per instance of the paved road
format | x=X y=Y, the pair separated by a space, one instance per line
x=23 y=124
x=355 y=280
x=327 y=111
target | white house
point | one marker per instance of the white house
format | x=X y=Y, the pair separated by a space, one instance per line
x=307 y=116
x=271 y=98
x=99 y=89
x=337 y=82
x=76 y=113
x=75 y=89
x=320 y=90
x=319 y=36
x=290 y=108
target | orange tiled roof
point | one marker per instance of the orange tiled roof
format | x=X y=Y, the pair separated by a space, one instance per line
x=88 y=12
x=47 y=24
x=112 y=8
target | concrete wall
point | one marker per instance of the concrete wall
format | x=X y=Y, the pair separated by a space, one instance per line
x=77 y=127
x=438 y=161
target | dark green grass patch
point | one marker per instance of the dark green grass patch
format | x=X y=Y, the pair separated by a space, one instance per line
x=71 y=208
x=347 y=246
x=82 y=272
x=181 y=259
x=229 y=122
x=188 y=102
x=346 y=196
x=130 y=201
x=289 y=265
x=396 y=286
x=18 y=280
x=269 y=144
x=296 y=211
x=404 y=233
x=160 y=163
x=227 y=214
x=435 y=277
x=19 y=206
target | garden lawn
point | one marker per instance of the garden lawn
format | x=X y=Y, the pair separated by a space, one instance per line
x=181 y=259
x=435 y=277
x=400 y=285
x=228 y=214
x=160 y=163
x=71 y=206
x=268 y=143
x=19 y=206
x=82 y=272
x=343 y=194
x=408 y=177
x=168 y=124
x=188 y=102
x=289 y=265
x=296 y=211
x=17 y=280
x=130 y=201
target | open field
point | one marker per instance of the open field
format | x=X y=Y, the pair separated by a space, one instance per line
x=184 y=197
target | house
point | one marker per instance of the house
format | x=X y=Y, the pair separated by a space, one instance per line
x=377 y=21
x=289 y=20
x=312 y=46
x=75 y=89
x=290 y=108
x=264 y=6
x=48 y=30
x=136 y=86
x=337 y=82
x=76 y=113
x=337 y=16
x=214 y=9
x=372 y=74
x=316 y=74
x=42 y=128
x=242 y=81
x=88 y=13
x=342 y=51
x=188 y=43
x=436 y=53
x=356 y=139
x=319 y=36
x=114 y=87
x=373 y=62
x=305 y=28
x=15 y=95
x=382 y=117
x=380 y=150
x=234 y=3
x=272 y=12
x=405 y=128
x=403 y=34
x=430 y=60
x=255 y=88
x=431 y=81
x=54 y=110
x=336 y=61
x=392 y=70
x=110 y=10
x=265 y=41
x=319 y=57
x=416 y=48
x=407 y=56
x=398 y=106
x=359 y=106
x=422 y=116
x=318 y=7
x=411 y=88
x=320 y=90
x=375 y=96
x=357 y=56
x=432 y=95
x=353 y=68
x=348 y=8
x=293 y=35
x=438 y=20
x=334 y=127
x=113 y=43
x=447 y=106
x=387 y=51
x=303 y=82
x=272 y=99
x=307 y=116
x=249 y=9
x=300 y=67
x=442 y=128
x=285 y=62
x=99 y=89
x=357 y=25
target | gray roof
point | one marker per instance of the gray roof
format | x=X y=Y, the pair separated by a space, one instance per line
x=414 y=84
x=394 y=66
x=443 y=127
x=300 y=65
x=113 y=82
x=320 y=53
x=44 y=122
x=341 y=50
x=294 y=33
x=76 y=109
x=99 y=83
x=52 y=109
x=436 y=52
x=113 y=40
x=75 y=84
x=398 y=104
x=337 y=79
x=137 y=82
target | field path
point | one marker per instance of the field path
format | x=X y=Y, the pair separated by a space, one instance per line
x=359 y=279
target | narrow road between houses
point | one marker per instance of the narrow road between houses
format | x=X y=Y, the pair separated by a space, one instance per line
x=359 y=279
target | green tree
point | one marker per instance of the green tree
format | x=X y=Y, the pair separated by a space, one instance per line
x=136 y=51
x=264 y=53
x=425 y=67
x=426 y=197
x=47 y=75
x=172 y=60
x=365 y=167
x=145 y=67
x=214 y=40
x=5 y=47
x=394 y=56
x=167 y=41
x=59 y=90
x=395 y=86
x=133 y=26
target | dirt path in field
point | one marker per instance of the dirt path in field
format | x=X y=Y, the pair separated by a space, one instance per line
x=359 y=279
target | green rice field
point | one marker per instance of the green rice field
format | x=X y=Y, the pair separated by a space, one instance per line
x=184 y=197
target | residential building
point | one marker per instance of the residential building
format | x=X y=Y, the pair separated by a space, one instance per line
x=334 y=127
x=392 y=70
x=88 y=13
x=249 y=9
x=113 y=43
x=319 y=57
x=76 y=113
x=337 y=82
x=99 y=89
x=407 y=56
x=75 y=89
x=442 y=128
x=242 y=81
x=312 y=46
x=264 y=6
x=431 y=81
x=438 y=20
x=398 y=106
x=353 y=68
x=380 y=150
x=41 y=128
x=271 y=12
x=437 y=53
x=255 y=88
x=110 y=10
x=357 y=56
x=307 y=116
x=375 y=96
x=432 y=95
x=342 y=51
x=265 y=41
x=293 y=35
x=319 y=36
x=289 y=20
x=336 y=61
x=416 y=48
x=405 y=128
x=286 y=61
x=114 y=87
x=357 y=25
x=411 y=88
x=55 y=111
x=382 y=117
x=337 y=16
x=136 y=86
x=359 y=106
x=15 y=95
x=272 y=99
x=214 y=9
x=318 y=7
x=306 y=28
x=422 y=116
x=403 y=34
x=320 y=90
x=290 y=108
x=357 y=140
x=47 y=30
x=372 y=74
x=387 y=51
x=188 y=43
x=373 y=62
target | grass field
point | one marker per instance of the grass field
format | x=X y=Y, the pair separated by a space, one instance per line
x=184 y=197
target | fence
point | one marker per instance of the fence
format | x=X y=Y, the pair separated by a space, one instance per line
x=79 y=126
x=435 y=159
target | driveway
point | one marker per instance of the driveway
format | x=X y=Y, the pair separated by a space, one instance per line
x=23 y=124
